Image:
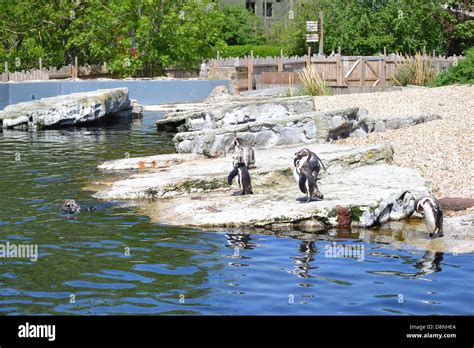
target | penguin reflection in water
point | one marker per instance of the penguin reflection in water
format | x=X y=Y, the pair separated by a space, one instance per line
x=240 y=171
x=307 y=168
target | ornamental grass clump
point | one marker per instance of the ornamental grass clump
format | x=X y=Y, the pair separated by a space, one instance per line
x=419 y=71
x=313 y=82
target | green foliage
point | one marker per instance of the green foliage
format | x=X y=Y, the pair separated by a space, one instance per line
x=241 y=27
x=365 y=27
x=462 y=72
x=258 y=51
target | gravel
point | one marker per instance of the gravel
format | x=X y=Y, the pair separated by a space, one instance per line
x=442 y=150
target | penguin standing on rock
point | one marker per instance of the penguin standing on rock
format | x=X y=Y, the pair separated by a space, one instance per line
x=433 y=213
x=307 y=167
x=243 y=176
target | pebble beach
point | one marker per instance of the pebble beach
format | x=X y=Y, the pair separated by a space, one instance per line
x=442 y=150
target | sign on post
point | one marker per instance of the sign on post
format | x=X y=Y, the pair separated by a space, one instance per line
x=312 y=29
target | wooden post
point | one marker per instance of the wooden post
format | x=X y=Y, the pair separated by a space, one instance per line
x=383 y=71
x=321 y=33
x=339 y=71
x=339 y=50
x=76 y=68
x=280 y=61
x=41 y=64
x=250 y=72
x=384 y=51
x=362 y=71
x=308 y=57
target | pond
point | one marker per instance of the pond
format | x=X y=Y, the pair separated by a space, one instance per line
x=115 y=261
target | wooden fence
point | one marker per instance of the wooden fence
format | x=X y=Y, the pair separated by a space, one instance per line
x=338 y=71
x=67 y=71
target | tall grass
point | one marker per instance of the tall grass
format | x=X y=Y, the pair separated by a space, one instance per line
x=418 y=71
x=313 y=82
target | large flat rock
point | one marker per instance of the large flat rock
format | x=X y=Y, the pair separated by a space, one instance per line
x=66 y=110
x=281 y=205
x=182 y=174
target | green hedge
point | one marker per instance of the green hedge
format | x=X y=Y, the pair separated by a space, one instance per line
x=462 y=73
x=258 y=51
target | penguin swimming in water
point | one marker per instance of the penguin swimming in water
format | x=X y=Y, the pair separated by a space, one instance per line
x=70 y=206
x=307 y=168
x=433 y=213
x=245 y=151
x=243 y=176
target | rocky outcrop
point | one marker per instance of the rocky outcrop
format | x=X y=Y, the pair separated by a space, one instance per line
x=137 y=109
x=232 y=113
x=370 y=124
x=360 y=188
x=67 y=110
x=181 y=174
x=262 y=134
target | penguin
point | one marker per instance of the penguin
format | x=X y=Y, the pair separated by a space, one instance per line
x=307 y=167
x=433 y=213
x=70 y=206
x=243 y=176
x=243 y=149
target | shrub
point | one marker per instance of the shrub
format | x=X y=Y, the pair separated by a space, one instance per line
x=258 y=51
x=415 y=71
x=462 y=72
x=313 y=82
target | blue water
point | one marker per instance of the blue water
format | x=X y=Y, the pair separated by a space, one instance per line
x=115 y=261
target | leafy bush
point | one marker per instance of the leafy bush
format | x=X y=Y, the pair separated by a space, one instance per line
x=313 y=82
x=462 y=72
x=258 y=51
x=419 y=71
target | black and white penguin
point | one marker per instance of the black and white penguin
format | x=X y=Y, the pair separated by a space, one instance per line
x=433 y=213
x=70 y=206
x=243 y=176
x=306 y=170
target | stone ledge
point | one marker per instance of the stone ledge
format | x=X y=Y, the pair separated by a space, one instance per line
x=184 y=174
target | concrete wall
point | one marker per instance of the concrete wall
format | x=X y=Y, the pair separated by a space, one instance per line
x=146 y=91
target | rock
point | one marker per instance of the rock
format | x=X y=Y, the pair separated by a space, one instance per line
x=382 y=124
x=192 y=191
x=343 y=217
x=458 y=235
x=137 y=109
x=67 y=110
x=219 y=93
x=361 y=188
x=222 y=113
x=263 y=134
x=179 y=174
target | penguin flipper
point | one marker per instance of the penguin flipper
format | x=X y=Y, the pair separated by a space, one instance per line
x=233 y=173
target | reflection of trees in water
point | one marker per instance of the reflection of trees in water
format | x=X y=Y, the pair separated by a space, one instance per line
x=429 y=263
x=306 y=252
